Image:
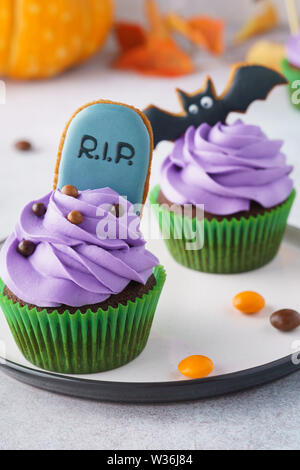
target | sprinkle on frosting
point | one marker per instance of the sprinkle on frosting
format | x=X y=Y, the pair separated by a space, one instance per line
x=76 y=265
x=75 y=217
x=225 y=167
x=70 y=190
x=26 y=248
x=39 y=209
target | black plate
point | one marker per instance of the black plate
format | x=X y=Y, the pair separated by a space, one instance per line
x=154 y=392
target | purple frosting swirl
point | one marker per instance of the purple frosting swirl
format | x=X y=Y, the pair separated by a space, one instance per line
x=76 y=265
x=225 y=167
x=293 y=50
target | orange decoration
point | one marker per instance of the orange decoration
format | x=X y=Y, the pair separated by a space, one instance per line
x=40 y=39
x=158 y=27
x=196 y=367
x=181 y=26
x=212 y=29
x=160 y=57
x=155 y=52
x=249 y=302
x=264 y=21
x=202 y=31
x=130 y=35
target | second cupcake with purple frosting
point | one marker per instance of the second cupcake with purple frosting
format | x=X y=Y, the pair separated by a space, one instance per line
x=243 y=181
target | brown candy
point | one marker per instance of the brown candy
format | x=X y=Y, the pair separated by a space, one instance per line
x=285 y=320
x=23 y=145
x=75 y=217
x=70 y=190
x=39 y=209
x=26 y=248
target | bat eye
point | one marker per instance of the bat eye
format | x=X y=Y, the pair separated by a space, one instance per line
x=193 y=109
x=207 y=102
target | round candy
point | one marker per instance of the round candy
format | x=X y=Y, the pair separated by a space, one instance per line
x=249 y=302
x=285 y=320
x=196 y=367
x=75 y=217
x=23 y=145
x=70 y=190
x=39 y=209
x=26 y=248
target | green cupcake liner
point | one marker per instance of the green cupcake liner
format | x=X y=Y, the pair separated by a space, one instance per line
x=229 y=246
x=83 y=343
x=291 y=74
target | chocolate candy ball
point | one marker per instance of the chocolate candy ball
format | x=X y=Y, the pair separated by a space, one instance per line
x=75 y=217
x=70 y=190
x=23 y=145
x=39 y=209
x=285 y=320
x=26 y=248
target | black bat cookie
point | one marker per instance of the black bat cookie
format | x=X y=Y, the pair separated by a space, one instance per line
x=247 y=84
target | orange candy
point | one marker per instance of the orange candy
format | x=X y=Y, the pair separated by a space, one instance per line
x=196 y=367
x=249 y=302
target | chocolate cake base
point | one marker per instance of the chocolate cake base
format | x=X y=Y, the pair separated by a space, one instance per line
x=255 y=210
x=133 y=291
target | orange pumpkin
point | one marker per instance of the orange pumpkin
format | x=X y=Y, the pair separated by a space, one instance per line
x=41 y=38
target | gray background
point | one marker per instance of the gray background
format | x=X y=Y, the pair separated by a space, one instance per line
x=227 y=9
x=264 y=418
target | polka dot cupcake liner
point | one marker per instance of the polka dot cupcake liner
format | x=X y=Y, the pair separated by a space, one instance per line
x=83 y=343
x=229 y=246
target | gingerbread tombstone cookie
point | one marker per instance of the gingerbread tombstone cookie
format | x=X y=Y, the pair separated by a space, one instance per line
x=106 y=144
x=246 y=84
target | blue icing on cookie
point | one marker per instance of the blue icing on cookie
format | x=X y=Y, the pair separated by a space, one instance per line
x=107 y=145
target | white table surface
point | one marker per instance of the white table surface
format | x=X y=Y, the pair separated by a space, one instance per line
x=265 y=418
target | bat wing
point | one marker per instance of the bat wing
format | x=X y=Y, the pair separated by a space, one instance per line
x=166 y=126
x=250 y=83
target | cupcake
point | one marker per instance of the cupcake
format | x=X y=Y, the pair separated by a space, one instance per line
x=78 y=288
x=242 y=179
x=76 y=300
x=291 y=67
